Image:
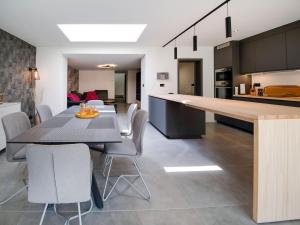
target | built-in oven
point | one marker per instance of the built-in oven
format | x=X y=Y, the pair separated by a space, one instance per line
x=223 y=83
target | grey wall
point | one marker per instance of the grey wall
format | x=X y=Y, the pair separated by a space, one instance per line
x=73 y=79
x=16 y=56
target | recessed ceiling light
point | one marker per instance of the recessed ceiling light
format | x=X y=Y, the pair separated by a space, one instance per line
x=102 y=32
x=107 y=66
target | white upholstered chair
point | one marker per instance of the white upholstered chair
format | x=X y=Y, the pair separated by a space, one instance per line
x=15 y=124
x=130 y=114
x=44 y=112
x=59 y=174
x=130 y=148
x=95 y=102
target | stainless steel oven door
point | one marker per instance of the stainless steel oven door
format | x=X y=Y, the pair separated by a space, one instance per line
x=224 y=92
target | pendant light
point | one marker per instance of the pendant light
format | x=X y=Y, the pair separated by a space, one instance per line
x=175 y=51
x=228 y=25
x=195 y=40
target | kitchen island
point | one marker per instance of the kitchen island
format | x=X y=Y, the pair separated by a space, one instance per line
x=276 y=180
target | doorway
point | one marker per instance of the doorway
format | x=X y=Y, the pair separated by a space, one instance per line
x=190 y=79
x=120 y=87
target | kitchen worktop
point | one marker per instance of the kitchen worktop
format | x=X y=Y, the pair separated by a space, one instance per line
x=294 y=99
x=247 y=111
x=276 y=138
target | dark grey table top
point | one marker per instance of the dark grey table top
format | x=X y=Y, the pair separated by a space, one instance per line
x=65 y=128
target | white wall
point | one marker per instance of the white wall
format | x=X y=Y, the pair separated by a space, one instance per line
x=51 y=89
x=131 y=86
x=161 y=60
x=50 y=60
x=277 y=78
x=97 y=80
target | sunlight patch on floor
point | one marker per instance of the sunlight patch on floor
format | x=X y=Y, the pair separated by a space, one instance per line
x=178 y=169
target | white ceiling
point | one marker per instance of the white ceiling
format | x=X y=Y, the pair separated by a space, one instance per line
x=36 y=21
x=90 y=61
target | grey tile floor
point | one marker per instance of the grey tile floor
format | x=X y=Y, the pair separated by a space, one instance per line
x=202 y=198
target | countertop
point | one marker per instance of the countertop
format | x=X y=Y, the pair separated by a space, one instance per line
x=294 y=99
x=247 y=111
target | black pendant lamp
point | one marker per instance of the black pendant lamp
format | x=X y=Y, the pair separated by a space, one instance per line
x=228 y=25
x=195 y=40
x=175 y=51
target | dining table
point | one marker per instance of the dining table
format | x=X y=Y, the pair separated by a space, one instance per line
x=66 y=128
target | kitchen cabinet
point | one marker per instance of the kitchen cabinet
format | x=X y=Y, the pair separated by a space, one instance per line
x=270 y=53
x=223 y=56
x=247 y=57
x=293 y=48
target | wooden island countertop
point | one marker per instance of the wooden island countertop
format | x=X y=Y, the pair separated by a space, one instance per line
x=247 y=111
x=276 y=143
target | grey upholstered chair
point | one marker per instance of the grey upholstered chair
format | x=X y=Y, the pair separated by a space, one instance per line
x=95 y=102
x=130 y=148
x=44 y=112
x=130 y=114
x=15 y=124
x=59 y=174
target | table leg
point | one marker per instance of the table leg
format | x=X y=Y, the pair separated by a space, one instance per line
x=96 y=193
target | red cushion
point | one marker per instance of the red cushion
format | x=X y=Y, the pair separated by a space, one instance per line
x=73 y=97
x=91 y=95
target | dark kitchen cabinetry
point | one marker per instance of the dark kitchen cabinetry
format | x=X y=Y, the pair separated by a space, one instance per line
x=293 y=48
x=270 y=53
x=247 y=57
x=273 y=50
x=223 y=56
x=227 y=76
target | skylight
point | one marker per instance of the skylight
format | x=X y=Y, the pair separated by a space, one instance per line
x=102 y=32
x=177 y=169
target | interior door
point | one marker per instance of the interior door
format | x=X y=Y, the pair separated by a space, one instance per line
x=186 y=78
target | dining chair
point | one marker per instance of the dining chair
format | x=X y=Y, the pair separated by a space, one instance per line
x=130 y=114
x=15 y=124
x=130 y=148
x=44 y=112
x=59 y=174
x=94 y=102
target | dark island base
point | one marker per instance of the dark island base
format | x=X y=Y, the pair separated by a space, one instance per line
x=175 y=120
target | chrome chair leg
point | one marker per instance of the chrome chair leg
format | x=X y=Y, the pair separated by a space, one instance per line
x=106 y=181
x=82 y=214
x=130 y=183
x=13 y=195
x=106 y=162
x=43 y=215
x=79 y=213
x=142 y=178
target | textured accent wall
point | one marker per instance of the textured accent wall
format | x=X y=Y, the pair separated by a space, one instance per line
x=73 y=79
x=16 y=56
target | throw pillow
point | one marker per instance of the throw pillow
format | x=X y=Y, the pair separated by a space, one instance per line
x=73 y=97
x=91 y=95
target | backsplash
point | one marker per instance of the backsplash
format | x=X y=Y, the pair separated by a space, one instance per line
x=16 y=56
x=277 y=78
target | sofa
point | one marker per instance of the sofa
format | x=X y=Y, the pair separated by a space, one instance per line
x=75 y=97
